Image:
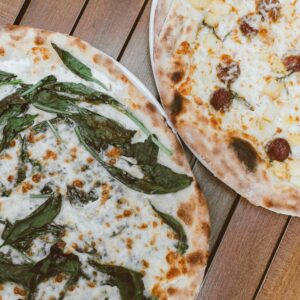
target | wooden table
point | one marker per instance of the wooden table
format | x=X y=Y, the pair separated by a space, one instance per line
x=255 y=254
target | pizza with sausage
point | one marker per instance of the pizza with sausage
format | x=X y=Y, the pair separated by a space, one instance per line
x=97 y=200
x=228 y=72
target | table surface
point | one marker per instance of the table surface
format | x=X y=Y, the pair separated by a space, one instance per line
x=254 y=253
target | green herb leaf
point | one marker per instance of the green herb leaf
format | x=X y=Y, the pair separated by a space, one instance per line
x=32 y=89
x=182 y=245
x=145 y=153
x=158 y=179
x=22 y=229
x=4 y=76
x=14 y=126
x=130 y=283
x=76 y=66
x=29 y=276
x=103 y=130
x=80 y=198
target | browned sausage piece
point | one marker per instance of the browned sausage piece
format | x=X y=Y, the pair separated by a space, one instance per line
x=278 y=149
x=228 y=70
x=270 y=8
x=248 y=25
x=292 y=63
x=221 y=99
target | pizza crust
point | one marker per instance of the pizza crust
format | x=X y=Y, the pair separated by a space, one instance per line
x=192 y=209
x=172 y=35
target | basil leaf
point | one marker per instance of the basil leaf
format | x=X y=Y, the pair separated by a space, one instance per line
x=80 y=198
x=19 y=274
x=4 y=76
x=130 y=283
x=182 y=245
x=29 y=276
x=4 y=192
x=76 y=66
x=157 y=179
x=103 y=130
x=21 y=174
x=12 y=106
x=32 y=89
x=22 y=229
x=145 y=153
x=14 y=126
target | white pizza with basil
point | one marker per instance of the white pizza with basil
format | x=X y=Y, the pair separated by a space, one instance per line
x=97 y=200
x=228 y=72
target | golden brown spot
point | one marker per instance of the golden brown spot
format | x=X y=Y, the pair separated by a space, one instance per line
x=171 y=291
x=10 y=178
x=114 y=152
x=1 y=287
x=80 y=237
x=50 y=155
x=80 y=44
x=30 y=138
x=172 y=273
x=177 y=76
x=145 y=263
x=197 y=258
x=143 y=226
x=91 y=284
x=205 y=227
x=6 y=156
x=112 y=161
x=16 y=37
x=97 y=59
x=26 y=187
x=36 y=178
x=19 y=291
x=59 y=277
x=129 y=244
x=184 y=48
x=39 y=40
x=185 y=213
x=105 y=192
x=154 y=224
x=158 y=292
x=127 y=213
x=78 y=183
x=2 y=51
x=89 y=160
x=151 y=107
x=12 y=143
x=171 y=257
x=268 y=202
x=36 y=60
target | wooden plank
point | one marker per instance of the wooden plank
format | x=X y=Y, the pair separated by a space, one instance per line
x=9 y=10
x=107 y=24
x=219 y=196
x=283 y=277
x=53 y=15
x=243 y=254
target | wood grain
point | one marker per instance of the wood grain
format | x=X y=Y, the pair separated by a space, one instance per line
x=9 y=10
x=243 y=254
x=282 y=281
x=53 y=15
x=220 y=199
x=106 y=24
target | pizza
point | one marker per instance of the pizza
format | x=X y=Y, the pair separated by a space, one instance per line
x=228 y=76
x=97 y=200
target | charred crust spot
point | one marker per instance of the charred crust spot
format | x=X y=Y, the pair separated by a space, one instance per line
x=177 y=104
x=177 y=76
x=197 y=258
x=185 y=213
x=245 y=153
x=278 y=149
x=221 y=99
x=39 y=40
